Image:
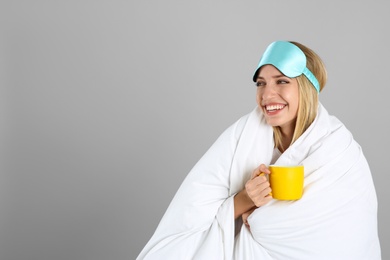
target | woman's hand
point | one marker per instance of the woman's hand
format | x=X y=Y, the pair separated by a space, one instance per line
x=255 y=194
x=258 y=187
x=245 y=216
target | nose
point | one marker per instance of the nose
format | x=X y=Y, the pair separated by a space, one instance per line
x=268 y=92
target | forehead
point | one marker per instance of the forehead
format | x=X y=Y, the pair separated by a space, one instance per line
x=269 y=70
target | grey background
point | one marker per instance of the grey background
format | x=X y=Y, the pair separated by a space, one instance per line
x=107 y=105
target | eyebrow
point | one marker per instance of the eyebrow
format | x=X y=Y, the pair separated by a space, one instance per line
x=275 y=77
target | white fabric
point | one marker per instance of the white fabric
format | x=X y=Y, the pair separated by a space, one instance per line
x=335 y=219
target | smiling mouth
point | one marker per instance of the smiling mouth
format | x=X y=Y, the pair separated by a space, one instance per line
x=273 y=108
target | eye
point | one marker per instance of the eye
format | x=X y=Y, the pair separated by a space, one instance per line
x=260 y=83
x=283 y=81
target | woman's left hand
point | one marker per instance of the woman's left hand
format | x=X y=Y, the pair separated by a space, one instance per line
x=245 y=216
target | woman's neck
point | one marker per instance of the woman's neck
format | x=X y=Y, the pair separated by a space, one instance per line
x=287 y=133
x=285 y=140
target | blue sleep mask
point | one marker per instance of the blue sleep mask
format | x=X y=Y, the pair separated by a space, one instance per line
x=288 y=59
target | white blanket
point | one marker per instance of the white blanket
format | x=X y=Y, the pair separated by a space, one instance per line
x=335 y=219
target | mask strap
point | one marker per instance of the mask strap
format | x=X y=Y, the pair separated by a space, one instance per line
x=310 y=76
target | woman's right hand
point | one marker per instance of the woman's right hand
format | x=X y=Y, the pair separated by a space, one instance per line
x=258 y=187
x=257 y=192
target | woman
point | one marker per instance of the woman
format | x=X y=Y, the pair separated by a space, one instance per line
x=335 y=219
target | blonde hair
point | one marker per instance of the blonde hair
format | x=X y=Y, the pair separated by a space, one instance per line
x=308 y=96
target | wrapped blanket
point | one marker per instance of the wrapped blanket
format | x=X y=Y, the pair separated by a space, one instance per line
x=335 y=219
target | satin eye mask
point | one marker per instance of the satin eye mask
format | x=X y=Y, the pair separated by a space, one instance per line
x=288 y=59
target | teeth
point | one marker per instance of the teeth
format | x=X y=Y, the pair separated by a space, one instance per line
x=274 y=107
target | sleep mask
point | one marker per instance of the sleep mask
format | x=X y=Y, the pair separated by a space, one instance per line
x=288 y=59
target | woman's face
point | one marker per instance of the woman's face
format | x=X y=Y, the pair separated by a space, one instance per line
x=278 y=97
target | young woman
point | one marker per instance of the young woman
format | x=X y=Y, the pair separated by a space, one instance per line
x=224 y=210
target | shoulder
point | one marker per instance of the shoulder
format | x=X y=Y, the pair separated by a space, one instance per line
x=237 y=128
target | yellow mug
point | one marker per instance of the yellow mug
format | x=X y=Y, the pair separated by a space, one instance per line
x=286 y=182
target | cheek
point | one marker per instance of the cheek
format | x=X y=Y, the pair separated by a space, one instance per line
x=292 y=97
x=258 y=97
x=294 y=103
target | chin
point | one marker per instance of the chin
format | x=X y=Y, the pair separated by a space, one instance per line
x=272 y=122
